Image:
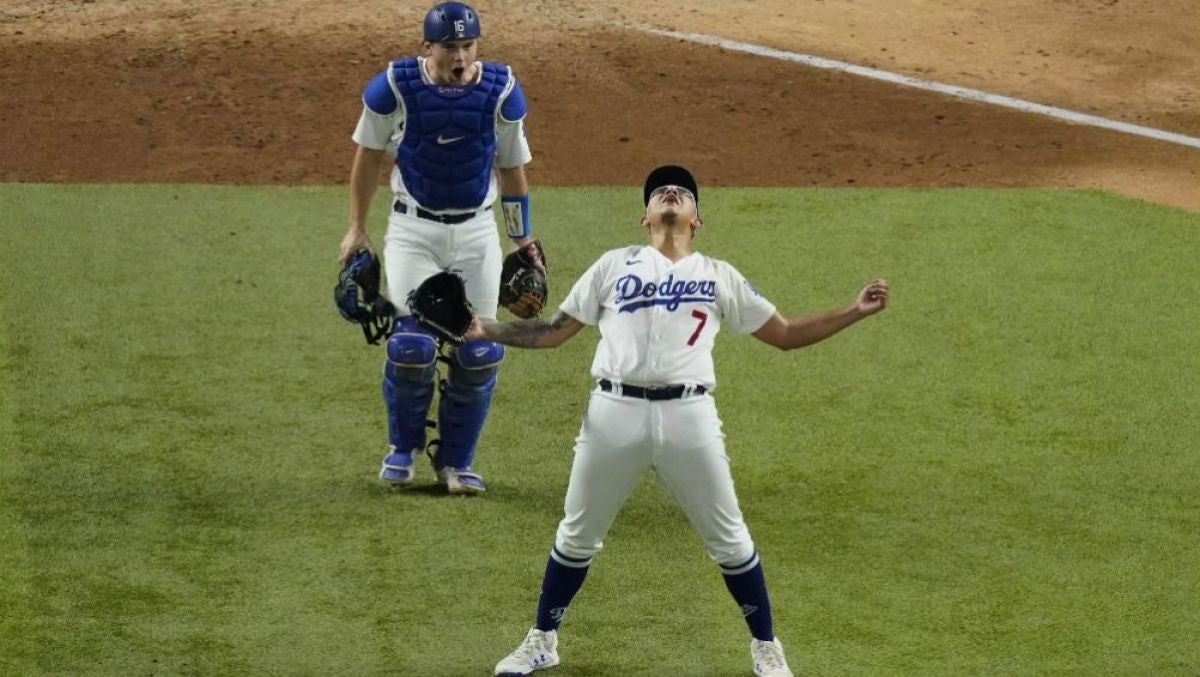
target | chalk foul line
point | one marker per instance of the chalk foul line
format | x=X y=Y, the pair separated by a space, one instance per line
x=955 y=91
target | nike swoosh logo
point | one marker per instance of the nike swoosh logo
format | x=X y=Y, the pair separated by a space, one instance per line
x=443 y=140
x=630 y=262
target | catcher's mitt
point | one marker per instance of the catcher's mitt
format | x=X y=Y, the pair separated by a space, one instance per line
x=440 y=305
x=358 y=299
x=523 y=286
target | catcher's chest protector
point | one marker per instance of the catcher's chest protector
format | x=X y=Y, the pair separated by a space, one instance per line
x=449 y=136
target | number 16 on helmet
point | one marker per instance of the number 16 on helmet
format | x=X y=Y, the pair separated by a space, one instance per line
x=451 y=21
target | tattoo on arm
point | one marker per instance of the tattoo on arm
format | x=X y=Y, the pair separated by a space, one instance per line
x=526 y=333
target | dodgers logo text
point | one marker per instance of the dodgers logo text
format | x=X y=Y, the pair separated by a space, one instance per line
x=633 y=293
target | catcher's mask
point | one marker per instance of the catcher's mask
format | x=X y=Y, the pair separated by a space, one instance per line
x=451 y=21
x=358 y=299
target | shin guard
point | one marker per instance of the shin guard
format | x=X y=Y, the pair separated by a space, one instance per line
x=465 y=398
x=408 y=378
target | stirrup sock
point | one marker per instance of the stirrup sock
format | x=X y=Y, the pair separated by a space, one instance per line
x=749 y=590
x=563 y=578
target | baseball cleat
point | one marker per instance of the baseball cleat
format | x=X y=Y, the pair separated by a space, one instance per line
x=397 y=468
x=768 y=659
x=461 y=481
x=537 y=652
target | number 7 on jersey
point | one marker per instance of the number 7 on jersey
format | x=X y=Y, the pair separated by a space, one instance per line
x=703 y=317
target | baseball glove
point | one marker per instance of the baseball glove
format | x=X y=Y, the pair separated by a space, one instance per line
x=523 y=287
x=358 y=299
x=440 y=305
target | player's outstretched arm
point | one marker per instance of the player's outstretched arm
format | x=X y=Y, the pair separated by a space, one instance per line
x=531 y=333
x=805 y=330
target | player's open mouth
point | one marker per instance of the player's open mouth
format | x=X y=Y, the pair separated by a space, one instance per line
x=458 y=72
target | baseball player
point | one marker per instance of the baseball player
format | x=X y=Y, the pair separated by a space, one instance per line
x=659 y=308
x=455 y=128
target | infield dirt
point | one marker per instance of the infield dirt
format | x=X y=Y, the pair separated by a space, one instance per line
x=265 y=92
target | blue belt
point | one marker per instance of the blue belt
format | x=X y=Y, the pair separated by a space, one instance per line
x=652 y=393
x=450 y=219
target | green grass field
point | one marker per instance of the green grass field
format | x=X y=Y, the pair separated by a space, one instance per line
x=997 y=476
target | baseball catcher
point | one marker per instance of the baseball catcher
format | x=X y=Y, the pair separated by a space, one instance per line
x=451 y=126
x=523 y=287
x=358 y=299
x=441 y=307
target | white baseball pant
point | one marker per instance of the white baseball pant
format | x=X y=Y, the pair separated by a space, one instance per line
x=416 y=248
x=682 y=441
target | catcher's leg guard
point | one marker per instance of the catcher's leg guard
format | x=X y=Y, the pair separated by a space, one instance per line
x=408 y=377
x=462 y=408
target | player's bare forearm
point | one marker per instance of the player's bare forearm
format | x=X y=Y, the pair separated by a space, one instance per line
x=805 y=330
x=536 y=332
x=364 y=178
x=513 y=181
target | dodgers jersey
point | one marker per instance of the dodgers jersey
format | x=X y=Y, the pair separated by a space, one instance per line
x=382 y=126
x=659 y=319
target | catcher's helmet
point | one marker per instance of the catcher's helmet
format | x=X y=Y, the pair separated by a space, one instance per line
x=670 y=175
x=451 y=21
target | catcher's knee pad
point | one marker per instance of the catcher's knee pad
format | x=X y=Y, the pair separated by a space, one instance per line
x=474 y=363
x=465 y=400
x=408 y=377
x=412 y=348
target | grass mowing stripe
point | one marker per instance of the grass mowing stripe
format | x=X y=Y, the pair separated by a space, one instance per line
x=994 y=476
x=18 y=609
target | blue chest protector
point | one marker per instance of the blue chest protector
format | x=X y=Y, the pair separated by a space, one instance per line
x=449 y=139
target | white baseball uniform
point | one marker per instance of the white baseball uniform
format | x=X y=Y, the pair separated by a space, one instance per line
x=658 y=321
x=416 y=248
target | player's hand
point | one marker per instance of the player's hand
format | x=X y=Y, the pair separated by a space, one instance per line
x=539 y=262
x=475 y=331
x=873 y=297
x=352 y=242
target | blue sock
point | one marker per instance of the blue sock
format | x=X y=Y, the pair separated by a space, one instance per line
x=563 y=578
x=749 y=589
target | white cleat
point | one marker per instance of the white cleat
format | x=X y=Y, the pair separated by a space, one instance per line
x=537 y=652
x=461 y=482
x=768 y=659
